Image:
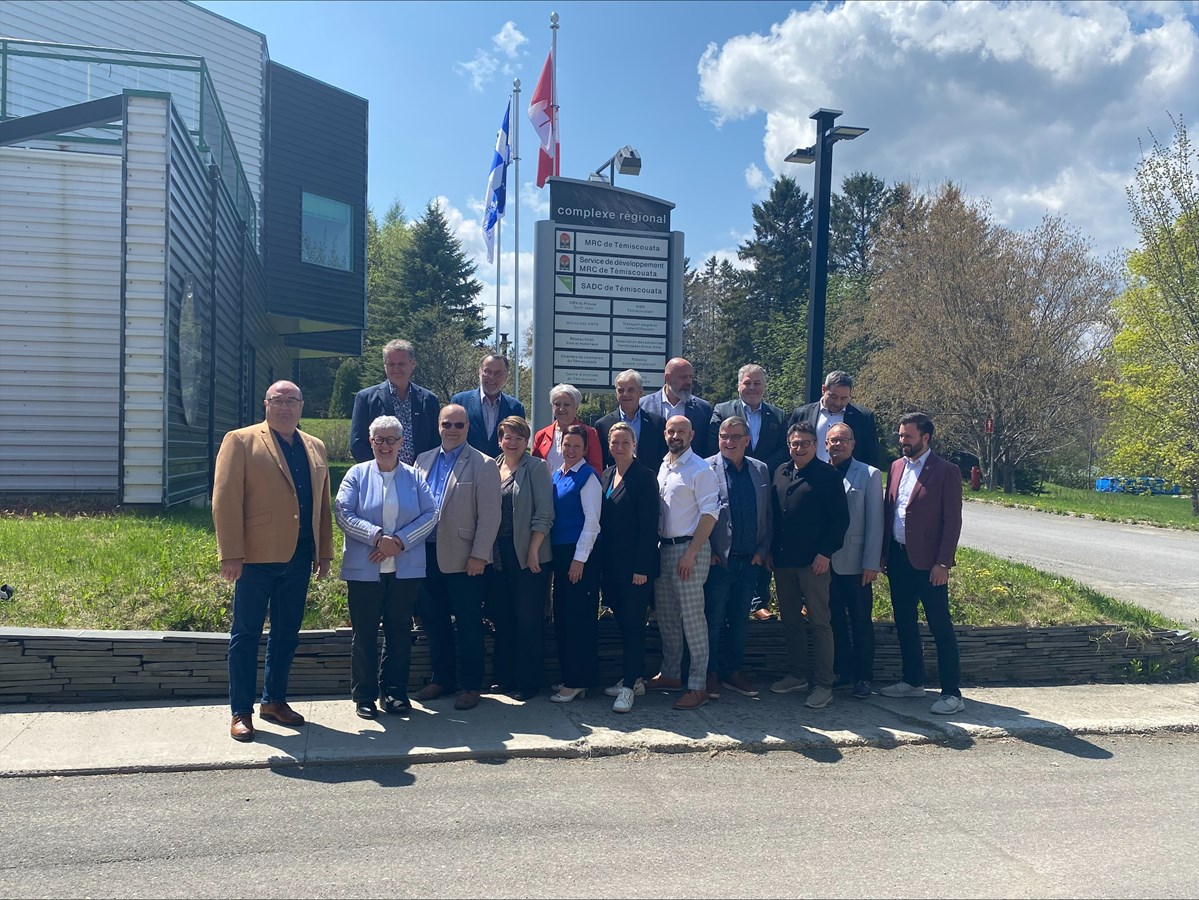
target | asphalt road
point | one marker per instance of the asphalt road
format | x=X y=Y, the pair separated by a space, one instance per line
x=1157 y=568
x=1071 y=817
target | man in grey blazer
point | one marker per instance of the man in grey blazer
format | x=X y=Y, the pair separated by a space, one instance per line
x=466 y=488
x=740 y=543
x=855 y=566
x=767 y=422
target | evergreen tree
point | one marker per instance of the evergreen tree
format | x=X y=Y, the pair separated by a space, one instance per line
x=436 y=280
x=780 y=251
x=857 y=212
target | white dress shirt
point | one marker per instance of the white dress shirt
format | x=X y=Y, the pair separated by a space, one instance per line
x=672 y=409
x=688 y=489
x=391 y=515
x=824 y=421
x=591 y=495
x=911 y=471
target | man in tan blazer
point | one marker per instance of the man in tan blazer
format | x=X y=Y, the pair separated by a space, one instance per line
x=270 y=506
x=466 y=488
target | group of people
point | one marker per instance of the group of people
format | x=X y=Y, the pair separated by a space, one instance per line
x=459 y=513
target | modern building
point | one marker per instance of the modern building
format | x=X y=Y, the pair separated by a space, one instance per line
x=181 y=221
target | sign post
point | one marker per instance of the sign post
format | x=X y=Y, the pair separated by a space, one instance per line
x=608 y=290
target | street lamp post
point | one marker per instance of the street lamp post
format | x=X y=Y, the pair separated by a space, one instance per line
x=626 y=161
x=820 y=153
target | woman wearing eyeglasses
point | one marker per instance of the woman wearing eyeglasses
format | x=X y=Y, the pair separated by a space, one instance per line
x=547 y=443
x=386 y=510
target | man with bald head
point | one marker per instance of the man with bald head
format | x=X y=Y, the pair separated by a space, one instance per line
x=690 y=506
x=274 y=529
x=676 y=399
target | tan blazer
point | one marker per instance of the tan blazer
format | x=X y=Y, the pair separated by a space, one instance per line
x=470 y=508
x=254 y=505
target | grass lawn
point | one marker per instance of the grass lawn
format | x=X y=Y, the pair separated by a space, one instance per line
x=1171 y=512
x=129 y=570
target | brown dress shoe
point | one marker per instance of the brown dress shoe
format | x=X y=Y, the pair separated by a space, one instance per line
x=740 y=684
x=280 y=714
x=467 y=700
x=691 y=700
x=242 y=728
x=660 y=683
x=713 y=686
x=762 y=615
x=431 y=692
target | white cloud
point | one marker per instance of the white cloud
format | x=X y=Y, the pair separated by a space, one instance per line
x=485 y=63
x=756 y=179
x=1037 y=106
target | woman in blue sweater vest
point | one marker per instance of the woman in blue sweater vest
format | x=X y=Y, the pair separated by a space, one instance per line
x=577 y=500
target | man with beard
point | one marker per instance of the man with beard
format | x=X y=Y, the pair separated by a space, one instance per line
x=833 y=407
x=690 y=506
x=676 y=399
x=923 y=518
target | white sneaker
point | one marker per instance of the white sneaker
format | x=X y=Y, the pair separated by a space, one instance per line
x=624 y=700
x=948 y=705
x=903 y=689
x=638 y=688
x=788 y=685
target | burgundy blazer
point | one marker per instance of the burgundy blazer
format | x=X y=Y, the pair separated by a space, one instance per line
x=934 y=516
x=543 y=441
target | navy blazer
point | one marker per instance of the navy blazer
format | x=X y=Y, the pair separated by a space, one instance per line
x=651 y=446
x=858 y=418
x=375 y=401
x=771 y=447
x=628 y=541
x=477 y=436
x=699 y=412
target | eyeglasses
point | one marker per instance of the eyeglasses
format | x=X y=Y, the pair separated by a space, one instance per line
x=800 y=445
x=733 y=437
x=839 y=440
x=284 y=401
x=386 y=440
x=458 y=425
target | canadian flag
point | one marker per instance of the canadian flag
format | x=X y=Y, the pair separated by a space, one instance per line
x=544 y=117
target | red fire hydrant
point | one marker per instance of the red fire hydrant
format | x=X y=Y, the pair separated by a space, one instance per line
x=976 y=478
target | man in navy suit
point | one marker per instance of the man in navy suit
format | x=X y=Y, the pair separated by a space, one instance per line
x=833 y=407
x=922 y=516
x=416 y=407
x=767 y=422
x=489 y=405
x=675 y=399
x=649 y=430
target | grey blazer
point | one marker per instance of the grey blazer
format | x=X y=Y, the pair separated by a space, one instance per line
x=722 y=533
x=863 y=546
x=470 y=509
x=532 y=508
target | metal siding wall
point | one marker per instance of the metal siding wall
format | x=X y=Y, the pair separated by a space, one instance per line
x=147 y=161
x=235 y=54
x=228 y=362
x=329 y=160
x=190 y=254
x=60 y=250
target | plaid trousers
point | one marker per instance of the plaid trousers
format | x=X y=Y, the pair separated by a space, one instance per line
x=680 y=612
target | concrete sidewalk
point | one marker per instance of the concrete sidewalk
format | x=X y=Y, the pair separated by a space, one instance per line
x=160 y=736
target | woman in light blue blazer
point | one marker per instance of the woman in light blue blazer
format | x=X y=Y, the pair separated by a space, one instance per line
x=518 y=576
x=386 y=511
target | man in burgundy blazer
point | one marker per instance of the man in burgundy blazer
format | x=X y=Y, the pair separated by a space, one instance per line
x=923 y=519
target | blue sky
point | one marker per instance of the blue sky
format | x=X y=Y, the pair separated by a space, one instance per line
x=1036 y=107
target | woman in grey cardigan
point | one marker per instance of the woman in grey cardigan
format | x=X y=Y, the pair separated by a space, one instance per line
x=521 y=564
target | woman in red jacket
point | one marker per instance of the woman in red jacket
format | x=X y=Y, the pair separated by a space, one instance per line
x=547 y=443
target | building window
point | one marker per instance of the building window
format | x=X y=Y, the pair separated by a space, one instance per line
x=327 y=237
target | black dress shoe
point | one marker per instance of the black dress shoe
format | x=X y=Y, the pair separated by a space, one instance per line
x=524 y=696
x=396 y=706
x=365 y=709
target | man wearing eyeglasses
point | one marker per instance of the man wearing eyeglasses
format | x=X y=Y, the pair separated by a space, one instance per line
x=416 y=407
x=810 y=520
x=274 y=529
x=488 y=405
x=466 y=489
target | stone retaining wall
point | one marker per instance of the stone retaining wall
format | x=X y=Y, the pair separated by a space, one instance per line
x=40 y=665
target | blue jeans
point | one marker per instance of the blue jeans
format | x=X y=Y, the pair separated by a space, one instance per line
x=282 y=588
x=727 y=595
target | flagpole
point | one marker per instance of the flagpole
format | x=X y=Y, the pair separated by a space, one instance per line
x=499 y=255
x=557 y=134
x=516 y=232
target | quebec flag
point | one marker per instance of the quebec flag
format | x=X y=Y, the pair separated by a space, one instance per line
x=497 y=185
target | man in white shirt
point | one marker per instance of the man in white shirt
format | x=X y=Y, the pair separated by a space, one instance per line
x=690 y=506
